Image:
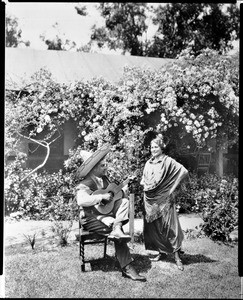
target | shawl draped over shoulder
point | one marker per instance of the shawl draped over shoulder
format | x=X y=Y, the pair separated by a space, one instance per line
x=159 y=181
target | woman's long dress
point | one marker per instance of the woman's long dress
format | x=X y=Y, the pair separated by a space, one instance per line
x=162 y=230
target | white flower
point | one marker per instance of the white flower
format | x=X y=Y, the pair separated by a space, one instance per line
x=192 y=116
x=47 y=118
x=39 y=129
x=42 y=95
x=7 y=183
x=83 y=133
x=188 y=128
x=86 y=138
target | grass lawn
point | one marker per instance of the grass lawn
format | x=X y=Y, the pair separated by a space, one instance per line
x=51 y=271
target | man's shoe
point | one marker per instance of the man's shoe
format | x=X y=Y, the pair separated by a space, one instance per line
x=117 y=234
x=131 y=273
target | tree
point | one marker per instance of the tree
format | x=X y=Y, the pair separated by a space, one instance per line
x=24 y=119
x=199 y=25
x=13 y=33
x=57 y=41
x=124 y=27
x=180 y=25
x=81 y=10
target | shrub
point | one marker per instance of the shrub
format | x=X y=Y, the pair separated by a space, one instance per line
x=193 y=194
x=13 y=173
x=62 y=231
x=220 y=213
x=215 y=198
x=31 y=239
x=42 y=196
x=185 y=194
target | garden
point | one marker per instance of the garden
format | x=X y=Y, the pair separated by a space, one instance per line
x=191 y=101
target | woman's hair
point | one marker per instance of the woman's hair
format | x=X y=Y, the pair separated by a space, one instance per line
x=159 y=141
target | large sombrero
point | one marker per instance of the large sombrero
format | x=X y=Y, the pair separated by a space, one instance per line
x=92 y=159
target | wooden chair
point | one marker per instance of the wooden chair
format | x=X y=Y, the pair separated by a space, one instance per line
x=88 y=237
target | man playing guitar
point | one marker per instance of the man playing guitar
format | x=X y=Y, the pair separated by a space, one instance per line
x=95 y=192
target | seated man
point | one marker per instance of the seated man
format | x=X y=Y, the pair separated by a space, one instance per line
x=93 y=174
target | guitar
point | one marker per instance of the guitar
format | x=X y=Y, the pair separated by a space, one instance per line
x=116 y=190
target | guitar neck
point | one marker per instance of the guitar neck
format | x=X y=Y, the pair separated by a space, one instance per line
x=120 y=186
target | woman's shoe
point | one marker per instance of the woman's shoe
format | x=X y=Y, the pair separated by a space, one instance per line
x=179 y=264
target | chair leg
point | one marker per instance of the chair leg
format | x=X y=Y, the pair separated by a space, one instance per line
x=105 y=246
x=83 y=268
x=82 y=254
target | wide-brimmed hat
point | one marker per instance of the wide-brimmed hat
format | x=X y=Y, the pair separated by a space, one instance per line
x=90 y=160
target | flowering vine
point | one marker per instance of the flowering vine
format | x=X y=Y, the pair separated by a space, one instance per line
x=190 y=100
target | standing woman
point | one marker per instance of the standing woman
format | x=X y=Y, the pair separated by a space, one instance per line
x=161 y=176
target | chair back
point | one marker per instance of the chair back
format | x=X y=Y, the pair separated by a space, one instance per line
x=203 y=162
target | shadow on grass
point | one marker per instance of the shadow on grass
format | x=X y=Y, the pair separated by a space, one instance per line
x=189 y=259
x=109 y=264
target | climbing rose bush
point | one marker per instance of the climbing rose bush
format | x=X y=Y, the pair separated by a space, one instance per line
x=191 y=101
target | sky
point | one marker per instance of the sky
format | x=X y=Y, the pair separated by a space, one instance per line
x=38 y=18
x=35 y=19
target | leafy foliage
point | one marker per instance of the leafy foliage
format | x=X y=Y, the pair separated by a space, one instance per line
x=124 y=27
x=58 y=41
x=42 y=196
x=215 y=199
x=62 y=231
x=31 y=239
x=179 y=25
x=13 y=33
x=200 y=25
x=220 y=214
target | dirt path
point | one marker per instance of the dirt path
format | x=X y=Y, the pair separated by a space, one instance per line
x=14 y=231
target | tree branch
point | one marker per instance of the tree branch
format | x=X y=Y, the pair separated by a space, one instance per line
x=44 y=144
